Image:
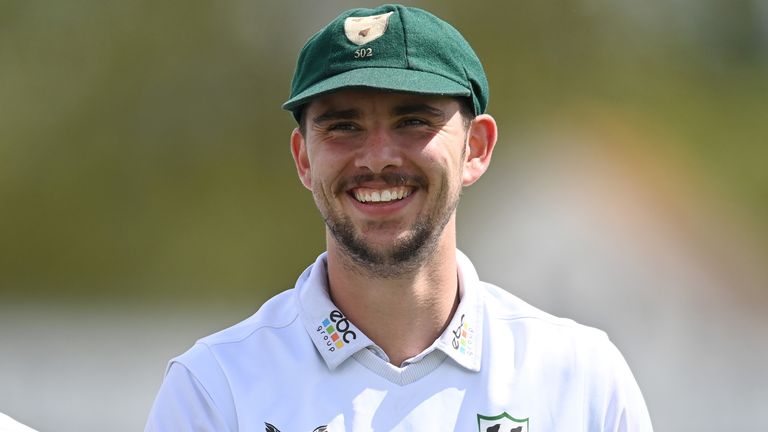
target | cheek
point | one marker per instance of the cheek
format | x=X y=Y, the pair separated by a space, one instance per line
x=443 y=160
x=325 y=171
x=447 y=148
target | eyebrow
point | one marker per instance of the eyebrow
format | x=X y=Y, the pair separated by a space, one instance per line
x=337 y=115
x=400 y=110
x=418 y=108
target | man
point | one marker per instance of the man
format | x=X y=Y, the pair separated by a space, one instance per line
x=391 y=329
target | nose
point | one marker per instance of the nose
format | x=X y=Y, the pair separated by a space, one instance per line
x=379 y=151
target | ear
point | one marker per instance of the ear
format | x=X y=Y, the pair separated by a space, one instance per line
x=300 y=157
x=481 y=139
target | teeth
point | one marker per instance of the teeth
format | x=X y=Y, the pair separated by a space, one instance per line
x=386 y=195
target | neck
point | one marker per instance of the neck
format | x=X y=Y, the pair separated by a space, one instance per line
x=402 y=315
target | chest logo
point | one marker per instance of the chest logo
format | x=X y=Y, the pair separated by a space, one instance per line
x=271 y=428
x=501 y=423
x=361 y=30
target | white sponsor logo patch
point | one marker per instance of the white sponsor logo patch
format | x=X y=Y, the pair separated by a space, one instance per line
x=361 y=30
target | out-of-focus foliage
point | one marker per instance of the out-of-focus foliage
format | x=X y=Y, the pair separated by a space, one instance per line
x=144 y=156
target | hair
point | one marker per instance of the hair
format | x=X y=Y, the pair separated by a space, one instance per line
x=466 y=109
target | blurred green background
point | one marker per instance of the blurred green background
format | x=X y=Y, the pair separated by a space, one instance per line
x=144 y=166
x=144 y=157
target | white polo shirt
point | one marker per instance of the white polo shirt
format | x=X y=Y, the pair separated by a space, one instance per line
x=298 y=365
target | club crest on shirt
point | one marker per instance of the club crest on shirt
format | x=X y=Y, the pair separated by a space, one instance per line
x=501 y=423
x=271 y=428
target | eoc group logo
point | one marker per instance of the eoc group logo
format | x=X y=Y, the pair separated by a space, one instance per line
x=336 y=331
x=463 y=338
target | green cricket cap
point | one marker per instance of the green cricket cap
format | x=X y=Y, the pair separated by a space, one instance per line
x=394 y=48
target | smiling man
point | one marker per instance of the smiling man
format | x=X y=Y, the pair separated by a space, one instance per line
x=391 y=329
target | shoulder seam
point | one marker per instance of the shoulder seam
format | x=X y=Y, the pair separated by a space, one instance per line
x=208 y=344
x=202 y=386
x=555 y=321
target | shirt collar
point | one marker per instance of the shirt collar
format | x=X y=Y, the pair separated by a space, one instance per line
x=463 y=339
x=334 y=336
x=337 y=339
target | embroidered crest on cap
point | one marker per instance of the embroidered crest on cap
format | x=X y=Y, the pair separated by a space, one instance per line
x=361 y=30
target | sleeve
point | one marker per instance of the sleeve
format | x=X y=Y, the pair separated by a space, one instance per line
x=183 y=404
x=624 y=406
x=7 y=424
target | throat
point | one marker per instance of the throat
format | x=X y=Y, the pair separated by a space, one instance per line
x=403 y=316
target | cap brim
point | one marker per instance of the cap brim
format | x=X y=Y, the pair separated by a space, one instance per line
x=392 y=79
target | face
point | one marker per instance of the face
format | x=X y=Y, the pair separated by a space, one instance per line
x=386 y=171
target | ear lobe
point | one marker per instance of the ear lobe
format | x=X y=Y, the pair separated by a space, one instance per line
x=300 y=158
x=481 y=141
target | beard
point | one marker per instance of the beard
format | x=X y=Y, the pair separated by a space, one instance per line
x=404 y=254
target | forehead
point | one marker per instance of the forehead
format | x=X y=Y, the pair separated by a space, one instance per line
x=370 y=99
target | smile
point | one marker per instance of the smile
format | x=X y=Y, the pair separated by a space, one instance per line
x=366 y=195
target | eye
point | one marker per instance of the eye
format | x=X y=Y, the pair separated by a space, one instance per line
x=343 y=127
x=412 y=122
